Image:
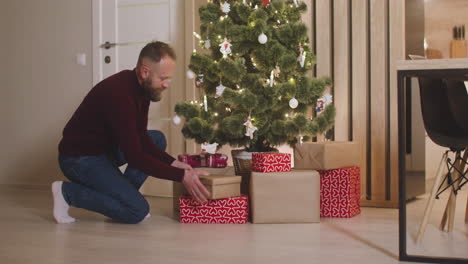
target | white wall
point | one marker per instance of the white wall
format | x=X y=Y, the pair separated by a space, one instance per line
x=41 y=84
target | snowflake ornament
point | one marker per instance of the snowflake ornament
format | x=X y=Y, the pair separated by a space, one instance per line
x=226 y=7
x=327 y=99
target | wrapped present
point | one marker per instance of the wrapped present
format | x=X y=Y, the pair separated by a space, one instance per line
x=271 y=162
x=192 y=160
x=179 y=189
x=216 y=160
x=285 y=197
x=340 y=192
x=233 y=210
x=204 y=160
x=326 y=155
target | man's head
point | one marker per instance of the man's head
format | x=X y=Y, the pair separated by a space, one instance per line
x=155 y=68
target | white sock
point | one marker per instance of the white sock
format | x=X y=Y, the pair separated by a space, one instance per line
x=60 y=205
x=148 y=216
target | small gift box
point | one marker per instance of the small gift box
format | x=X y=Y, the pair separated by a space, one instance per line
x=285 y=197
x=233 y=210
x=220 y=186
x=326 y=155
x=340 y=192
x=204 y=160
x=271 y=162
x=223 y=180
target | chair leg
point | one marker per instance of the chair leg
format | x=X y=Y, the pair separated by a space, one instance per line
x=466 y=212
x=430 y=201
x=449 y=213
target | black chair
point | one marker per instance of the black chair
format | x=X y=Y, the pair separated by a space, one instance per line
x=458 y=98
x=443 y=129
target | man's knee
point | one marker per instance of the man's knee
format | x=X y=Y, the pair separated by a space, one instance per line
x=137 y=213
x=158 y=138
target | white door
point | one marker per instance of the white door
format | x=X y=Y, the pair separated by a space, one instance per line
x=120 y=29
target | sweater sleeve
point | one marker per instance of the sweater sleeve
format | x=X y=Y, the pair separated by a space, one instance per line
x=122 y=116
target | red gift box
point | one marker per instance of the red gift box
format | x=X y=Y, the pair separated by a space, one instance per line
x=231 y=210
x=271 y=162
x=205 y=160
x=340 y=192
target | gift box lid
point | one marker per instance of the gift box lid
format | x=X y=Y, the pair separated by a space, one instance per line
x=220 y=179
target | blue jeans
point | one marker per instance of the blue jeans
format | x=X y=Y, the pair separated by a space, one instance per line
x=98 y=185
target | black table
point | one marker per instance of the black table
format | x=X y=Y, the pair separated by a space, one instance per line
x=448 y=69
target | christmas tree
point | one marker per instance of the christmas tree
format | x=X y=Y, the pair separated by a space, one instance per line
x=255 y=90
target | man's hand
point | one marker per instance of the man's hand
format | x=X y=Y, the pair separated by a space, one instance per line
x=194 y=186
x=181 y=165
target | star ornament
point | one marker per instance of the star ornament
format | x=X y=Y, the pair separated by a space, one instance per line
x=220 y=89
x=226 y=7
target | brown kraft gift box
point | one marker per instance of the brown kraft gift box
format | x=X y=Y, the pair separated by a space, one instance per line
x=326 y=155
x=285 y=197
x=221 y=183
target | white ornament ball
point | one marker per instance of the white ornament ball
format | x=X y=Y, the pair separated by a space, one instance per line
x=293 y=103
x=262 y=38
x=190 y=74
x=176 y=120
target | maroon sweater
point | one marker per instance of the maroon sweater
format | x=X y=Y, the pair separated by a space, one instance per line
x=113 y=115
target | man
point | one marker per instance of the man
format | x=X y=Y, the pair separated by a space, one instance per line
x=108 y=130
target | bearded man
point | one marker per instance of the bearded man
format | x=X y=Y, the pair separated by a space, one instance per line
x=109 y=129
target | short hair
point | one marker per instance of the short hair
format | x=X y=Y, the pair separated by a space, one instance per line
x=155 y=51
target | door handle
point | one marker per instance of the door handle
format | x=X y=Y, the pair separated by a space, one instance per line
x=108 y=45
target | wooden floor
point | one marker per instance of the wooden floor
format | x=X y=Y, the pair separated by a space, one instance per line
x=29 y=235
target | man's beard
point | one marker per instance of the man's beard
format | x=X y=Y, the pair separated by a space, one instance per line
x=155 y=95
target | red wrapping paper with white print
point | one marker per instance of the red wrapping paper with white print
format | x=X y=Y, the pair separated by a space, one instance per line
x=340 y=192
x=204 y=160
x=192 y=160
x=216 y=160
x=271 y=162
x=233 y=210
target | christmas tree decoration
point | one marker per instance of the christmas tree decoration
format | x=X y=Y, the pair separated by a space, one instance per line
x=209 y=148
x=320 y=106
x=190 y=74
x=262 y=38
x=176 y=120
x=225 y=48
x=277 y=71
x=302 y=56
x=267 y=79
x=272 y=78
x=296 y=3
x=205 y=103
x=226 y=7
x=220 y=89
x=327 y=99
x=199 y=81
x=293 y=103
x=207 y=44
x=250 y=128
